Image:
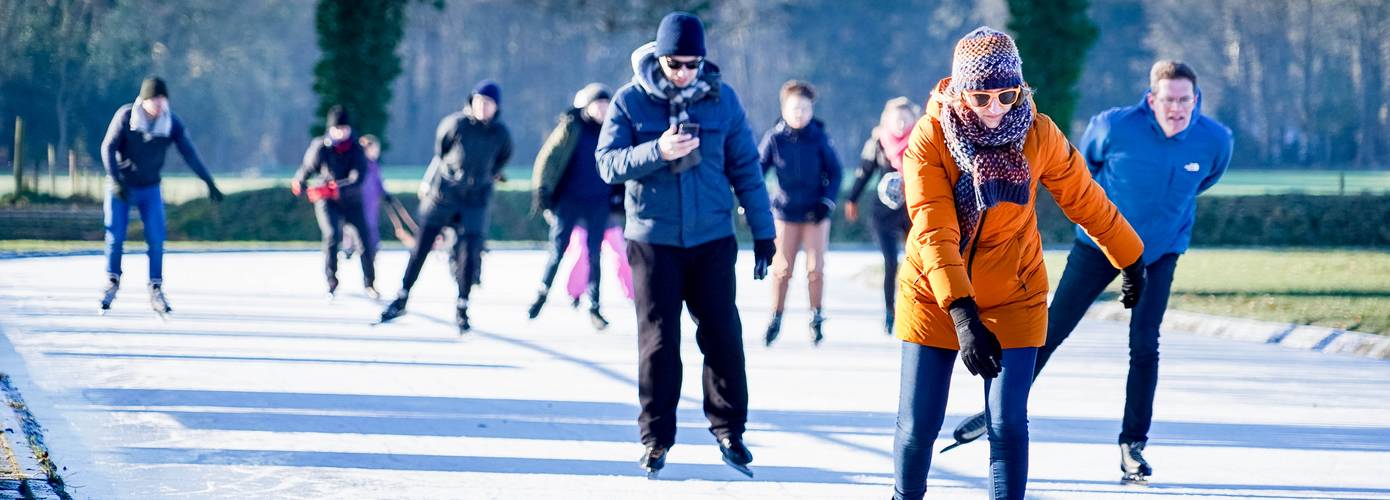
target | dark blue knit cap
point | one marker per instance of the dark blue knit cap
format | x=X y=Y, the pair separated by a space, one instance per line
x=680 y=34
x=489 y=88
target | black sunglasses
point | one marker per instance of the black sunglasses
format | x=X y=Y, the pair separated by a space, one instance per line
x=674 y=64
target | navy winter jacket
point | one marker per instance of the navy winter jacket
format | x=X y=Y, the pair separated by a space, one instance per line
x=808 y=170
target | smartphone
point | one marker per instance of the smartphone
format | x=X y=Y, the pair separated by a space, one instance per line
x=690 y=129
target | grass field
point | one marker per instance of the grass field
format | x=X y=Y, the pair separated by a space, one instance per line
x=181 y=187
x=1338 y=288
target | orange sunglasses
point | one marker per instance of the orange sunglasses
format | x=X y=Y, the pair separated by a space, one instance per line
x=982 y=98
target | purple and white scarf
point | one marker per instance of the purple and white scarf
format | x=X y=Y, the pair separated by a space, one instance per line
x=992 y=166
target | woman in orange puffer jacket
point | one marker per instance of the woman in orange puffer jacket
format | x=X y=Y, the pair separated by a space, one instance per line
x=974 y=280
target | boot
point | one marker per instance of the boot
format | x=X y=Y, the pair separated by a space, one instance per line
x=774 y=328
x=599 y=322
x=816 y=321
x=396 y=308
x=158 y=301
x=461 y=316
x=535 y=309
x=113 y=284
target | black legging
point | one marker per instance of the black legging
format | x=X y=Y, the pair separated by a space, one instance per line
x=332 y=214
x=467 y=250
x=890 y=231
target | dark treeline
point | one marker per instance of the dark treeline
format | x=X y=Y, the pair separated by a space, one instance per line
x=1301 y=82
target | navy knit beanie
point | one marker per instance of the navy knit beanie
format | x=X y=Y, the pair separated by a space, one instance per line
x=680 y=34
x=489 y=88
x=337 y=115
x=153 y=87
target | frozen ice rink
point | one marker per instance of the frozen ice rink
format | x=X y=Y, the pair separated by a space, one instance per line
x=258 y=387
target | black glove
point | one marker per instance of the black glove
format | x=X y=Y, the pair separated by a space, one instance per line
x=979 y=349
x=821 y=211
x=120 y=191
x=1132 y=284
x=214 y=194
x=763 y=250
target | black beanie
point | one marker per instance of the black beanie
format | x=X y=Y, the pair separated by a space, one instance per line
x=489 y=88
x=153 y=87
x=337 y=115
x=680 y=34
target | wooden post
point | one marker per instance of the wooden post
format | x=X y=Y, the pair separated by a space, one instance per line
x=52 y=166
x=73 y=180
x=18 y=155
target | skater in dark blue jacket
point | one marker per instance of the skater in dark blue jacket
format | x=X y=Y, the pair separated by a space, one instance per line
x=808 y=180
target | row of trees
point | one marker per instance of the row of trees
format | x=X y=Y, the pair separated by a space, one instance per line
x=1301 y=82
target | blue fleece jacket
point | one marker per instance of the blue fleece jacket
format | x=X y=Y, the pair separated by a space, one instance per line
x=1153 y=179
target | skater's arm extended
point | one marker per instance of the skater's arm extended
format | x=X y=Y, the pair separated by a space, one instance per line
x=189 y=153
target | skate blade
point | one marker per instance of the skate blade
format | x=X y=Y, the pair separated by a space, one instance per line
x=1135 y=480
x=653 y=474
x=953 y=446
x=739 y=467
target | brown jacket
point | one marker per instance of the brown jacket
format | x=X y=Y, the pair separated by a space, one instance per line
x=1007 y=279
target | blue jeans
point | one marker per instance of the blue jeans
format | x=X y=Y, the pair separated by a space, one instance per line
x=151 y=205
x=1087 y=274
x=926 y=380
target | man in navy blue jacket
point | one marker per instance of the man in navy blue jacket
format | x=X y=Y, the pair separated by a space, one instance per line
x=133 y=153
x=1153 y=159
x=680 y=228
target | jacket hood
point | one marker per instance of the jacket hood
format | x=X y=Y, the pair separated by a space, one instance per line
x=645 y=71
x=1149 y=112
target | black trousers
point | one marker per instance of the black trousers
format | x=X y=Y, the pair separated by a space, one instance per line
x=702 y=279
x=890 y=228
x=467 y=250
x=332 y=214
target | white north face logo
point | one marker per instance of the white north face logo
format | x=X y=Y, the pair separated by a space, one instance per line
x=1192 y=167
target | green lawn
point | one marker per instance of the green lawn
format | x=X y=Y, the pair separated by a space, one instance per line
x=1337 y=288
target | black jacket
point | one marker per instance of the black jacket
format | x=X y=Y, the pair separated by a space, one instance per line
x=346 y=168
x=468 y=154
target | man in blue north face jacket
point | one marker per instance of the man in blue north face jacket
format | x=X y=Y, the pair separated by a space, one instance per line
x=680 y=227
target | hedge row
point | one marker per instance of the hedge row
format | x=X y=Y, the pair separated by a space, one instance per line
x=1273 y=220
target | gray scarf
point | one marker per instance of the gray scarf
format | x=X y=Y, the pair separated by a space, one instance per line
x=160 y=127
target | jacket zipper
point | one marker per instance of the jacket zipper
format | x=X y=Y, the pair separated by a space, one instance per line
x=975 y=246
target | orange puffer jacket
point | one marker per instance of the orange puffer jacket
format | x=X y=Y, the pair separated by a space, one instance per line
x=1007 y=278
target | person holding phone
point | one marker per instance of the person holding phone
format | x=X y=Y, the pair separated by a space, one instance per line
x=974 y=282
x=808 y=180
x=681 y=183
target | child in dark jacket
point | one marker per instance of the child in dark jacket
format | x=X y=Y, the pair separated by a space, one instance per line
x=808 y=178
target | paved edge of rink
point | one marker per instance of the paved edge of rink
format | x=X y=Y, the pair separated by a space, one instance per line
x=25 y=464
x=1295 y=336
